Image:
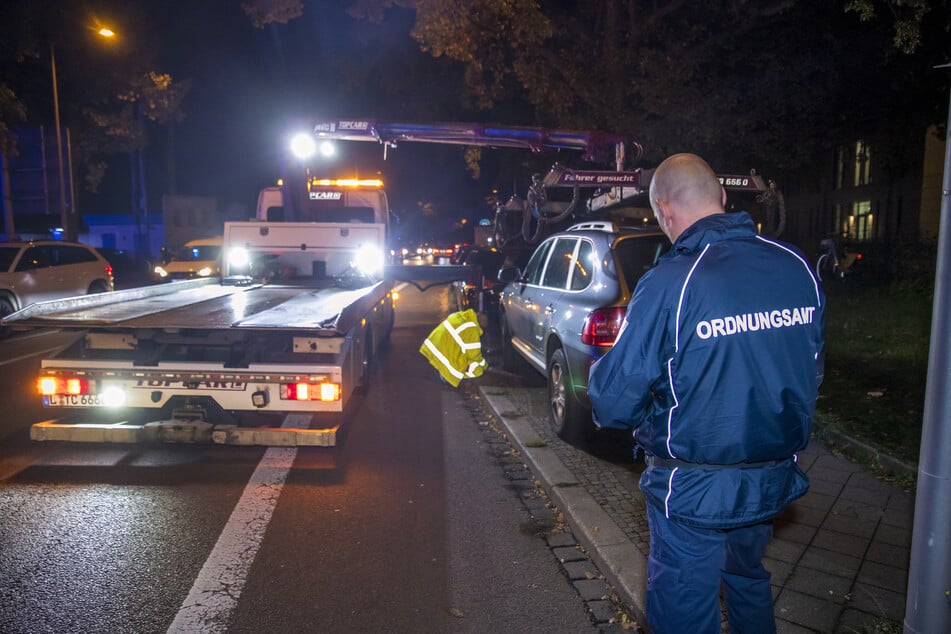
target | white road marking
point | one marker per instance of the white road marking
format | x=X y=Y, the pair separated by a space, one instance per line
x=216 y=591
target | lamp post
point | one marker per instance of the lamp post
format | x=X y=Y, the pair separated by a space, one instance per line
x=64 y=212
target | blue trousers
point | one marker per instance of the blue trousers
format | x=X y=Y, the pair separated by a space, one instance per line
x=686 y=567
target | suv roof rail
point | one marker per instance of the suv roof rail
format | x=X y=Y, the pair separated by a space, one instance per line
x=594 y=225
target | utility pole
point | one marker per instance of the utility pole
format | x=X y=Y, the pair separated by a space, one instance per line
x=928 y=600
x=63 y=210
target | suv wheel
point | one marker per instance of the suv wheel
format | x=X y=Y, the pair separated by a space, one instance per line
x=6 y=308
x=570 y=419
x=98 y=287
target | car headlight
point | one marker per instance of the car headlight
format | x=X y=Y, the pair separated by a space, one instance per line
x=239 y=257
x=160 y=271
x=369 y=260
x=204 y=271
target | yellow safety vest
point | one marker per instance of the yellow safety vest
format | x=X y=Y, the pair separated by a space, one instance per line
x=454 y=347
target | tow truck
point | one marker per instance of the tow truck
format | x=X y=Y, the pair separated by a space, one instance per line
x=269 y=354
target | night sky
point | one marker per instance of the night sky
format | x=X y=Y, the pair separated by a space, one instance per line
x=251 y=87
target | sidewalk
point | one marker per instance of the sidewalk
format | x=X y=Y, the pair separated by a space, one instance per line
x=838 y=558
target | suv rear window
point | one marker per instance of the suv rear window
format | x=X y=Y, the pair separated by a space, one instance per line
x=638 y=254
x=64 y=254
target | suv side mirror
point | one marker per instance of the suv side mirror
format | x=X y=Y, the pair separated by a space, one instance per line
x=508 y=274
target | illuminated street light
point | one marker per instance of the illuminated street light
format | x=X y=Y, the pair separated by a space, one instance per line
x=63 y=211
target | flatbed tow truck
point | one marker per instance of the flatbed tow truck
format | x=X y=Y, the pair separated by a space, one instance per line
x=290 y=328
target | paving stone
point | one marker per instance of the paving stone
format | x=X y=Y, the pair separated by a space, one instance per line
x=894 y=535
x=826 y=487
x=877 y=498
x=583 y=569
x=841 y=543
x=888 y=554
x=793 y=532
x=786 y=627
x=800 y=514
x=852 y=621
x=831 y=562
x=602 y=611
x=591 y=589
x=820 y=585
x=569 y=554
x=779 y=570
x=557 y=540
x=883 y=576
x=878 y=601
x=818 y=501
x=851 y=525
x=785 y=550
x=808 y=611
x=900 y=517
x=857 y=510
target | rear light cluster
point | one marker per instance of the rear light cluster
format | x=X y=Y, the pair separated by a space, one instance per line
x=51 y=386
x=601 y=326
x=325 y=392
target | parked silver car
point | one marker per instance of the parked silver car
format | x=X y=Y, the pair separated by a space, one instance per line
x=564 y=310
x=42 y=270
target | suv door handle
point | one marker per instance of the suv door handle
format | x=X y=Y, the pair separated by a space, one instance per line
x=550 y=309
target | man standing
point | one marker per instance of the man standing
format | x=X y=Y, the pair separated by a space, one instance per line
x=716 y=369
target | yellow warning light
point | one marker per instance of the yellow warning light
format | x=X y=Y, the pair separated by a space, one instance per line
x=347 y=182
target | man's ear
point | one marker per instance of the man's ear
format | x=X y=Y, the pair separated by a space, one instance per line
x=663 y=213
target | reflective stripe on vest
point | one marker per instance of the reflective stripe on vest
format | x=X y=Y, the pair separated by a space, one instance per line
x=442 y=359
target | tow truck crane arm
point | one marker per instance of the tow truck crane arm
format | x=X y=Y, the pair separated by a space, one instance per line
x=595 y=146
x=611 y=186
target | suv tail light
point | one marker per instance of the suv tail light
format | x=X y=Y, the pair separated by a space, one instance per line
x=602 y=325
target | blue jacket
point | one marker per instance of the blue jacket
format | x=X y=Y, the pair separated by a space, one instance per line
x=716 y=369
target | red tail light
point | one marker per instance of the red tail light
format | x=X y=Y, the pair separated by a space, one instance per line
x=109 y=269
x=602 y=325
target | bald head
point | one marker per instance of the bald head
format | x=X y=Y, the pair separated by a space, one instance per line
x=684 y=189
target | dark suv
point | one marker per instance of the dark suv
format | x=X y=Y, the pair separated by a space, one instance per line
x=564 y=311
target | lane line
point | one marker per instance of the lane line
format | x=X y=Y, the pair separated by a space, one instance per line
x=215 y=593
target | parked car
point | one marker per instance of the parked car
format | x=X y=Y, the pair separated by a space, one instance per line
x=197 y=258
x=43 y=270
x=128 y=270
x=564 y=310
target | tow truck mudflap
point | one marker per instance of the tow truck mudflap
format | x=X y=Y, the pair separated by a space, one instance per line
x=188 y=432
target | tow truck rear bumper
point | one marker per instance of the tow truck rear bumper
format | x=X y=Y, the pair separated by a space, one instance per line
x=186 y=431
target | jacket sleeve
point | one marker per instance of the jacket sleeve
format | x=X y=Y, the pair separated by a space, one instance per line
x=619 y=384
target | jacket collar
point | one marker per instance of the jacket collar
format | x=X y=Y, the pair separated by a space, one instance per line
x=715 y=228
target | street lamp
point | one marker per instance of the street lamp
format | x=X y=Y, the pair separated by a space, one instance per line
x=63 y=211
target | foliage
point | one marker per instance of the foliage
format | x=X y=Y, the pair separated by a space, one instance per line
x=748 y=82
x=11 y=112
x=264 y=12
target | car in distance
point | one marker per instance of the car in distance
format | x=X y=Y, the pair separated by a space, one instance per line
x=43 y=270
x=197 y=258
x=563 y=312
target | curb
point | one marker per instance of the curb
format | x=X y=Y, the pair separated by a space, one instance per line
x=617 y=558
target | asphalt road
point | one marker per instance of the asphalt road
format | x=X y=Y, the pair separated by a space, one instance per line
x=409 y=525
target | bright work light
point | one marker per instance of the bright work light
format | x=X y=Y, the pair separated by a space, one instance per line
x=303 y=146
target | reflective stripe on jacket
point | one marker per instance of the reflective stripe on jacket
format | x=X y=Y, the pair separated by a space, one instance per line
x=454 y=347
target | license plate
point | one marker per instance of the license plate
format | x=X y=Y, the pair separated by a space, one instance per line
x=73 y=400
